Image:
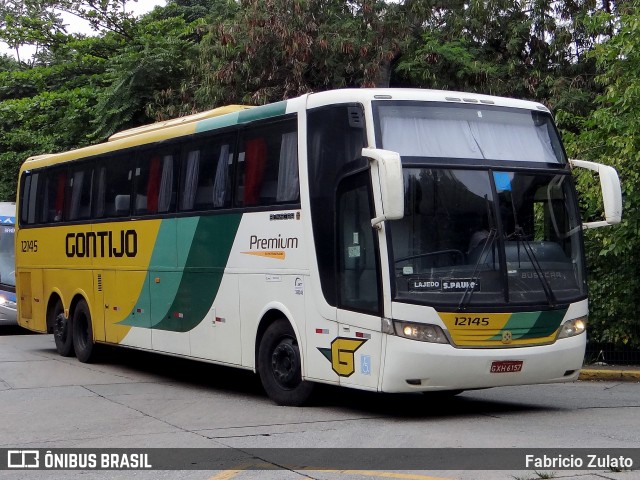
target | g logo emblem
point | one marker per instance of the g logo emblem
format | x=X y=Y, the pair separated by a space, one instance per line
x=507 y=337
x=341 y=355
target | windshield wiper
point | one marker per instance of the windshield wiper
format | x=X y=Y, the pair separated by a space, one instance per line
x=468 y=292
x=518 y=234
x=520 y=237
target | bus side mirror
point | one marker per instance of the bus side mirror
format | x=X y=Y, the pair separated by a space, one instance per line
x=611 y=192
x=391 y=183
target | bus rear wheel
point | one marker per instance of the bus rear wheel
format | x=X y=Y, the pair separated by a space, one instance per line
x=62 y=326
x=279 y=366
x=83 y=342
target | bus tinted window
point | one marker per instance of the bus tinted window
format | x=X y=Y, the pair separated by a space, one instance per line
x=268 y=165
x=206 y=168
x=28 y=199
x=113 y=197
x=334 y=144
x=418 y=129
x=155 y=181
x=55 y=181
x=78 y=197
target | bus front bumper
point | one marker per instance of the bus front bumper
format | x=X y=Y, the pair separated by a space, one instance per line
x=412 y=366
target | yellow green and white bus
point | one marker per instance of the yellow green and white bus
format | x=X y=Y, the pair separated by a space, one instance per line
x=394 y=240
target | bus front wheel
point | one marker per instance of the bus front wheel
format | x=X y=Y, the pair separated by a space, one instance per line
x=279 y=366
x=62 y=326
x=83 y=342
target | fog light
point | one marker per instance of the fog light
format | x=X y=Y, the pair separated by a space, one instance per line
x=421 y=332
x=574 y=327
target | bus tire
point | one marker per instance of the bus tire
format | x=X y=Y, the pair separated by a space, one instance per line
x=62 y=330
x=279 y=366
x=83 y=342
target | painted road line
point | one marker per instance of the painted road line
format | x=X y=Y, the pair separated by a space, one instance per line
x=229 y=474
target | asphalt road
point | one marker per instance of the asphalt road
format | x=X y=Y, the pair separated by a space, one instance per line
x=137 y=400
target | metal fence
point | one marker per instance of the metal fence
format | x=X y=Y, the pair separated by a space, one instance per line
x=611 y=354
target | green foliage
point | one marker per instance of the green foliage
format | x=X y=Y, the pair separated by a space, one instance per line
x=29 y=22
x=279 y=49
x=47 y=122
x=611 y=134
x=27 y=83
x=155 y=61
x=519 y=48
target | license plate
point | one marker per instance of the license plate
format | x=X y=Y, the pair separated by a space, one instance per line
x=506 y=366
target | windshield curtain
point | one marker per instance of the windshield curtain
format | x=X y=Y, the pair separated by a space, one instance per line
x=422 y=129
x=7 y=255
x=486 y=238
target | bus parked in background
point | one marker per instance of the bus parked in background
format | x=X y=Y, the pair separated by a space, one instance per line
x=7 y=264
x=387 y=239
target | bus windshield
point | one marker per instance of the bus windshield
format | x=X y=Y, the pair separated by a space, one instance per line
x=483 y=237
x=467 y=131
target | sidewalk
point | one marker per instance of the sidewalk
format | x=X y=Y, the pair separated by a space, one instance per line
x=613 y=373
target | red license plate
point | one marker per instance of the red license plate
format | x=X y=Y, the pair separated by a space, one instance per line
x=506 y=366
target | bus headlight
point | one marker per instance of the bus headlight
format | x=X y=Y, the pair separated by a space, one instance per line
x=2 y=300
x=421 y=332
x=574 y=327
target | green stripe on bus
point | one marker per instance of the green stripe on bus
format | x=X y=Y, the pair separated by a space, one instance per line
x=524 y=325
x=202 y=276
x=182 y=298
x=265 y=111
x=243 y=116
x=155 y=298
x=217 y=122
x=547 y=323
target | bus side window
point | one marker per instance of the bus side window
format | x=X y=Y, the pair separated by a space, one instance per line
x=113 y=188
x=334 y=145
x=268 y=165
x=358 y=263
x=28 y=200
x=78 y=198
x=255 y=162
x=155 y=183
x=52 y=207
x=205 y=175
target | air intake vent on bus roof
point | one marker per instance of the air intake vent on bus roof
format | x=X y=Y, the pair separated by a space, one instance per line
x=355 y=117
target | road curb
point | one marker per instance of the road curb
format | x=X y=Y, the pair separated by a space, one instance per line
x=609 y=374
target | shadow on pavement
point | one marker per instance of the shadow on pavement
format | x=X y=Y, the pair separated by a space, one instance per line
x=7 y=330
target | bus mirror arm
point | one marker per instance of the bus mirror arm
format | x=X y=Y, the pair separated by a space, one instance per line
x=391 y=183
x=611 y=192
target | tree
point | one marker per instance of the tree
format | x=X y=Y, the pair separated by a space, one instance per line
x=279 y=48
x=534 y=49
x=29 y=22
x=611 y=134
x=156 y=60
